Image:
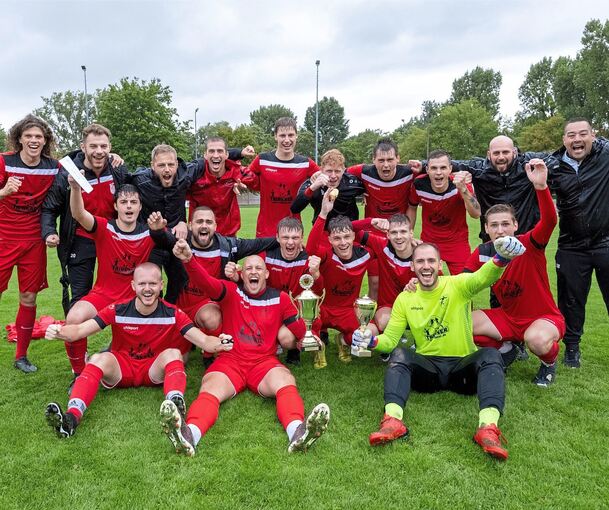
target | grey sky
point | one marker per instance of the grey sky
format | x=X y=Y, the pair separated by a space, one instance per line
x=380 y=59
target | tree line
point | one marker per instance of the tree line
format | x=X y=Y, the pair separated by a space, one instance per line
x=139 y=113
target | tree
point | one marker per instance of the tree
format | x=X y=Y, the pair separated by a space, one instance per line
x=358 y=148
x=414 y=144
x=266 y=116
x=66 y=114
x=570 y=98
x=333 y=127
x=480 y=84
x=543 y=136
x=3 y=140
x=536 y=93
x=306 y=143
x=139 y=115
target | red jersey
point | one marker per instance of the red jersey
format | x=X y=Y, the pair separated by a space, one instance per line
x=443 y=213
x=384 y=198
x=118 y=254
x=217 y=194
x=100 y=201
x=145 y=336
x=285 y=274
x=342 y=278
x=278 y=182
x=20 y=212
x=252 y=321
x=524 y=289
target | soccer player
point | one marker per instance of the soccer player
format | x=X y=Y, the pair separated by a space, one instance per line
x=528 y=312
x=253 y=314
x=75 y=247
x=439 y=316
x=26 y=174
x=332 y=177
x=444 y=203
x=146 y=350
x=279 y=175
x=121 y=245
x=581 y=186
x=219 y=187
x=343 y=265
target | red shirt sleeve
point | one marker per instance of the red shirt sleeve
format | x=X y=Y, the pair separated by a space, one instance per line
x=356 y=170
x=545 y=226
x=106 y=317
x=289 y=316
x=312 y=168
x=473 y=262
x=2 y=172
x=199 y=276
x=183 y=322
x=413 y=196
x=254 y=169
x=315 y=241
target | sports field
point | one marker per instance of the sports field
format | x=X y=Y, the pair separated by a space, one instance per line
x=558 y=437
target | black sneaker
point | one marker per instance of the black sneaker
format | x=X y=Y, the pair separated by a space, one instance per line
x=24 y=365
x=521 y=351
x=384 y=356
x=176 y=429
x=178 y=400
x=311 y=429
x=545 y=375
x=71 y=385
x=572 y=357
x=293 y=357
x=64 y=424
x=510 y=356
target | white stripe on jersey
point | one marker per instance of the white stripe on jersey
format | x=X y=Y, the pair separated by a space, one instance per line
x=386 y=184
x=432 y=196
x=277 y=164
x=285 y=263
x=353 y=263
x=31 y=171
x=206 y=254
x=257 y=302
x=128 y=237
x=101 y=180
x=391 y=256
x=123 y=319
x=484 y=258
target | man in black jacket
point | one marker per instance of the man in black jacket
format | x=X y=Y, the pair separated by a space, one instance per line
x=581 y=186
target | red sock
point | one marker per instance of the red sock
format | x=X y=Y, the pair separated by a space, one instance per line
x=24 y=322
x=84 y=390
x=550 y=357
x=175 y=377
x=289 y=405
x=203 y=412
x=77 y=353
x=487 y=341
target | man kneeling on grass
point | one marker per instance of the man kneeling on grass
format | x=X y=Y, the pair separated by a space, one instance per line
x=146 y=350
x=439 y=316
x=255 y=316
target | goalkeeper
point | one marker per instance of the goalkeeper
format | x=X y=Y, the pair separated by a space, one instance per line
x=439 y=316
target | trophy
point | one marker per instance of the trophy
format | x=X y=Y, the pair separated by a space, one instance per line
x=365 y=309
x=308 y=303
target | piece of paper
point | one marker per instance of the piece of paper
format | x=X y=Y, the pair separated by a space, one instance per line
x=73 y=170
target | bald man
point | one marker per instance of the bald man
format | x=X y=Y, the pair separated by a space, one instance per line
x=149 y=339
x=253 y=315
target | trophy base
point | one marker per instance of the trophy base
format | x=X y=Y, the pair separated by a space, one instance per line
x=360 y=353
x=309 y=344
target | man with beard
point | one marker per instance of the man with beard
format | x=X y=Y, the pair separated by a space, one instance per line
x=149 y=338
x=26 y=174
x=439 y=316
x=253 y=315
x=75 y=247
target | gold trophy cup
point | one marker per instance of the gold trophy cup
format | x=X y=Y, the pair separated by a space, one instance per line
x=307 y=303
x=365 y=308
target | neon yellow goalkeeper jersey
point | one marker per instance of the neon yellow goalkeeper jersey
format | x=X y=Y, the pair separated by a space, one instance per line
x=440 y=320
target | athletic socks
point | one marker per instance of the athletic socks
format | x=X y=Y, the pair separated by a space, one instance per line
x=203 y=413
x=84 y=390
x=394 y=410
x=290 y=407
x=175 y=378
x=77 y=354
x=549 y=358
x=488 y=416
x=24 y=322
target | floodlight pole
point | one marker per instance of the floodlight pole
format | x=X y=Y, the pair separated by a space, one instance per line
x=84 y=70
x=316 y=111
x=196 y=135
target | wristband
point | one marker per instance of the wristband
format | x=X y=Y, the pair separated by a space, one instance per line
x=374 y=341
x=500 y=261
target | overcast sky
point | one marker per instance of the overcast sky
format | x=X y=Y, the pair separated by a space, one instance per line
x=381 y=59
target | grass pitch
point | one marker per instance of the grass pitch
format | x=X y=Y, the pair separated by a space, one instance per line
x=119 y=458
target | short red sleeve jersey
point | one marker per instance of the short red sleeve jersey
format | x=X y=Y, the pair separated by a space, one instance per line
x=254 y=321
x=217 y=194
x=145 y=336
x=384 y=198
x=100 y=201
x=443 y=213
x=118 y=254
x=20 y=212
x=278 y=182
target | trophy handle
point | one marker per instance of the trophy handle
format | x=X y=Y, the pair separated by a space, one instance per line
x=323 y=296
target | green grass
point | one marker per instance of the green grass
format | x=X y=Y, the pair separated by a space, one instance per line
x=119 y=459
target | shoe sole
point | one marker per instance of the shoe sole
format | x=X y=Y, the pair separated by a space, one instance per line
x=54 y=417
x=171 y=424
x=316 y=425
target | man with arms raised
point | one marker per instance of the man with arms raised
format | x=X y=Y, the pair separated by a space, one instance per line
x=252 y=316
x=439 y=316
x=146 y=350
x=26 y=174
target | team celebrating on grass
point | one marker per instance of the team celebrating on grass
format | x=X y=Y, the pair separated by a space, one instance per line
x=231 y=297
